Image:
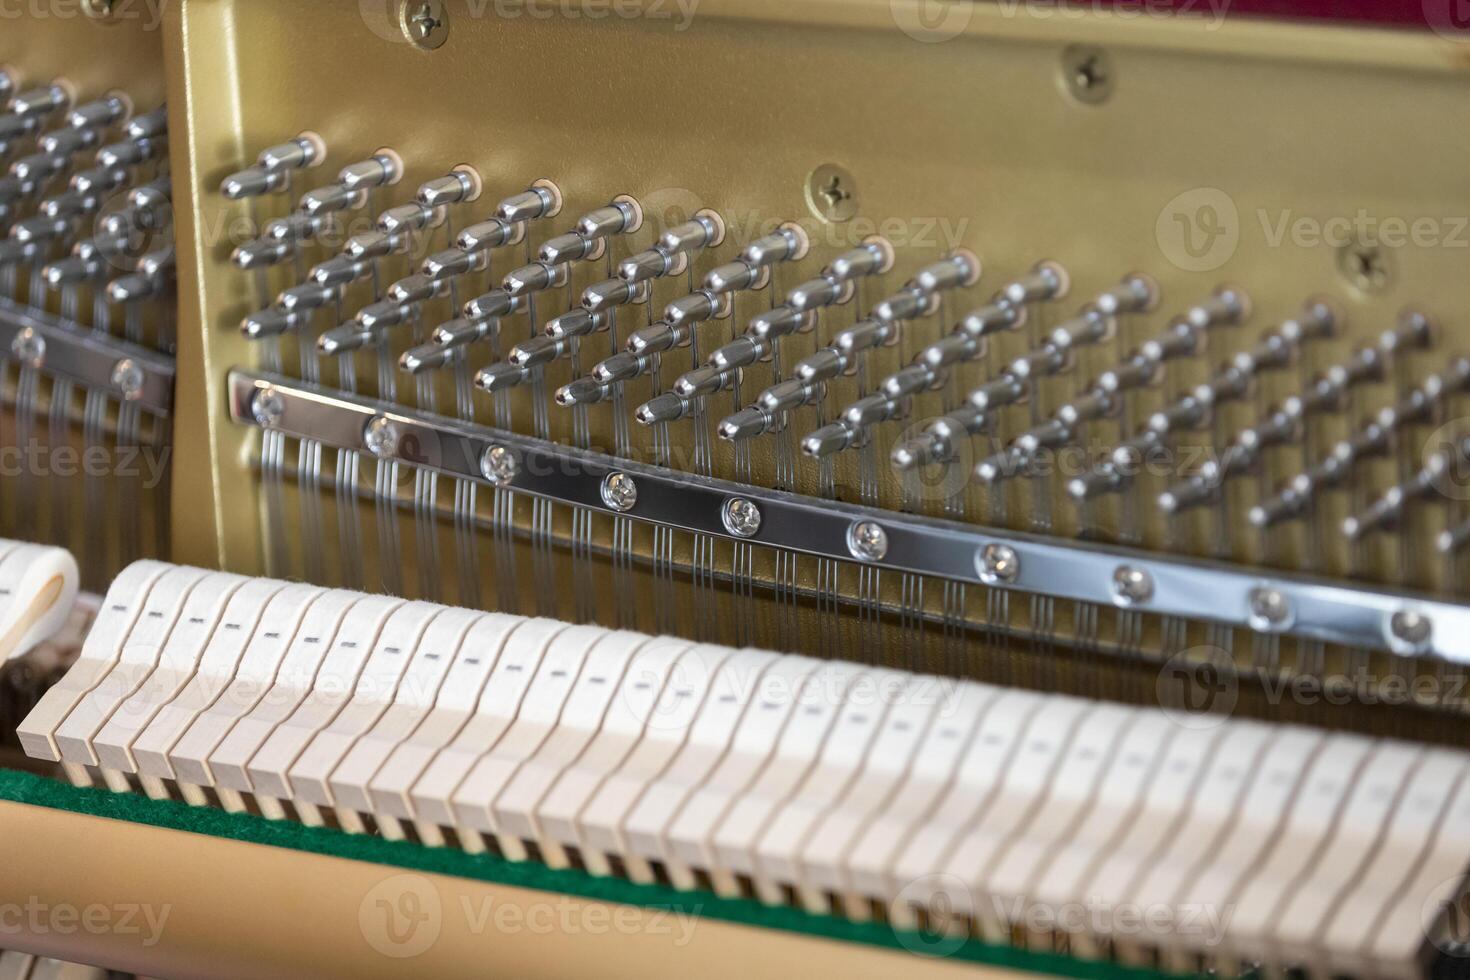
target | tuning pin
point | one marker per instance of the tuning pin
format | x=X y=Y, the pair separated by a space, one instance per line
x=559 y=250
x=331 y=199
x=16 y=252
x=621 y=216
x=98 y=180
x=1388 y=510
x=699 y=306
x=495 y=303
x=575 y=323
x=452 y=262
x=787 y=243
x=650 y=264
x=385 y=313
x=536 y=351
x=1414 y=329
x=306 y=297
x=38 y=167
x=69 y=204
x=346 y=338
x=296 y=227
x=8 y=84
x=873 y=257
x=1041 y=362
x=290 y=155
x=1136 y=372
x=1091 y=326
x=408 y=218
x=668 y=407
x=260 y=253
x=540 y=200
x=608 y=293
x=705 y=229
x=910 y=381
x=534 y=278
x=130 y=153
x=1227 y=306
x=940 y=440
x=426 y=357
x=498 y=377
x=1179 y=339
x=339 y=270
x=376 y=171
x=621 y=366
x=703 y=381
x=866 y=412
x=738 y=353
x=40 y=228
x=455 y=187
x=1047 y=281
x=269 y=323
x=486 y=235
x=1001 y=466
x=253 y=181
x=149 y=125
x=817 y=293
x=733 y=276
x=40 y=102
x=745 y=424
x=459 y=332
x=14 y=127
x=1008 y=389
x=582 y=391
x=907 y=304
x=781 y=321
x=133 y=288
x=415 y=289
x=67 y=142
x=373 y=245
x=771 y=408
x=13 y=189
x=74 y=269
x=829 y=440
x=1137 y=293
x=1370 y=440
x=156 y=265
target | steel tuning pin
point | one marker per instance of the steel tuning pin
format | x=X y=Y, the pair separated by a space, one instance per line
x=99 y=113
x=39 y=103
x=1388 y=510
x=669 y=256
x=149 y=125
x=1185 y=336
x=150 y=279
x=1327 y=392
x=352 y=187
x=1373 y=438
x=129 y=153
x=918 y=297
x=272 y=169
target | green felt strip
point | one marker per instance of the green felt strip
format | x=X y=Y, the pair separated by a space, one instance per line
x=22 y=787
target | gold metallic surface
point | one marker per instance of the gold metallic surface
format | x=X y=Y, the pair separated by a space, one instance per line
x=961 y=132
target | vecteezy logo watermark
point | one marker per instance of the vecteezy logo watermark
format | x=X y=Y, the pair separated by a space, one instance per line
x=35 y=917
x=386 y=18
x=1197 y=688
x=1199 y=229
x=932 y=21
x=401 y=916
x=1446 y=916
x=150 y=12
x=1448 y=18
